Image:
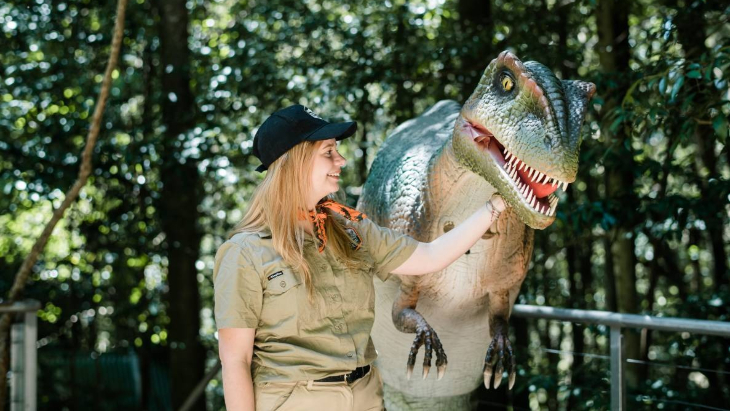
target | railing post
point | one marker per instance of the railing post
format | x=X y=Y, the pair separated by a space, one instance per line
x=618 y=382
x=17 y=367
x=30 y=326
x=23 y=356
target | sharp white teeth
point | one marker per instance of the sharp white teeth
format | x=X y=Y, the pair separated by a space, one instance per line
x=555 y=183
x=522 y=165
x=539 y=176
x=565 y=186
x=507 y=155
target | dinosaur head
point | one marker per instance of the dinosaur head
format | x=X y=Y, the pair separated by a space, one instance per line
x=520 y=130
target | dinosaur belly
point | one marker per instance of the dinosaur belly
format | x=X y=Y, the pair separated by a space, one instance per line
x=464 y=333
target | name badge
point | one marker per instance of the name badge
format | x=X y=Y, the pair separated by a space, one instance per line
x=276 y=274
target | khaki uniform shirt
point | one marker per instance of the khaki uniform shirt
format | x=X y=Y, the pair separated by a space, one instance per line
x=297 y=339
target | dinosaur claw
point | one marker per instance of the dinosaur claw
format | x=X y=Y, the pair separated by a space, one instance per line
x=441 y=371
x=487 y=378
x=426 y=370
x=497 y=379
x=409 y=371
x=512 y=376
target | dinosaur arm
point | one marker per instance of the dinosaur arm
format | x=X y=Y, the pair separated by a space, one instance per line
x=439 y=253
x=406 y=319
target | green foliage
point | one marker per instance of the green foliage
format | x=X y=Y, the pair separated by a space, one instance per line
x=103 y=278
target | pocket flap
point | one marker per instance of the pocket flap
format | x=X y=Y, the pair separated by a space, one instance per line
x=280 y=281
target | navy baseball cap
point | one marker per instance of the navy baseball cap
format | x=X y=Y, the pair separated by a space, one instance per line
x=290 y=126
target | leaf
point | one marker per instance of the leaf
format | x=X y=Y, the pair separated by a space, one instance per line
x=663 y=85
x=694 y=74
x=616 y=123
x=720 y=126
x=676 y=87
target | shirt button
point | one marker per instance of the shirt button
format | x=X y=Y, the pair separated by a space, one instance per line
x=334 y=297
x=350 y=354
x=282 y=284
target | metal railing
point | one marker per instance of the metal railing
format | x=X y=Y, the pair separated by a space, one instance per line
x=617 y=322
x=23 y=354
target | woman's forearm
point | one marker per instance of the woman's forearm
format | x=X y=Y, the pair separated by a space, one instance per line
x=438 y=254
x=238 y=387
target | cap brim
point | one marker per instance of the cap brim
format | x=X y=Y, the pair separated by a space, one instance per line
x=261 y=168
x=338 y=131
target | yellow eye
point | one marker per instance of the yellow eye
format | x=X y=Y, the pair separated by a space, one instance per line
x=507 y=83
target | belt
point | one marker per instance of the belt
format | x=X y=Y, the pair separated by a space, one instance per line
x=355 y=375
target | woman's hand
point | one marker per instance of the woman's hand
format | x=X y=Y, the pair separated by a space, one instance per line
x=498 y=202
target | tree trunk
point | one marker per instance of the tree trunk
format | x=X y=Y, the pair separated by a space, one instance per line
x=180 y=197
x=691 y=32
x=609 y=281
x=613 y=49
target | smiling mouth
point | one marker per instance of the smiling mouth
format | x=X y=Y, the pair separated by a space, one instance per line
x=335 y=175
x=535 y=188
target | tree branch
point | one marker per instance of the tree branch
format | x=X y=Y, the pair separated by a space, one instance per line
x=21 y=277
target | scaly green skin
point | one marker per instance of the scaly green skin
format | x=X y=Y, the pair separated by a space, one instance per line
x=433 y=172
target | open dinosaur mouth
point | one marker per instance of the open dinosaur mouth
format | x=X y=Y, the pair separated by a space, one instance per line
x=536 y=188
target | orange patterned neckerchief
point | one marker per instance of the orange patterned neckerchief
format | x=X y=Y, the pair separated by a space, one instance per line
x=319 y=215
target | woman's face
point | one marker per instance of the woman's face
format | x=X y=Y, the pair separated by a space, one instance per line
x=325 y=170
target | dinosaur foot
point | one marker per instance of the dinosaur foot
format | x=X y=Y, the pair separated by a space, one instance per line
x=426 y=336
x=495 y=362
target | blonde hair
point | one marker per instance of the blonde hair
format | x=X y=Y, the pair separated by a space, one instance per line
x=279 y=203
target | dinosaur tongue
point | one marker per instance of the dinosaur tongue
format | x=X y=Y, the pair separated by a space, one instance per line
x=541 y=190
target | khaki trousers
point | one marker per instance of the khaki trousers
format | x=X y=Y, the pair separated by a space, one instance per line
x=365 y=394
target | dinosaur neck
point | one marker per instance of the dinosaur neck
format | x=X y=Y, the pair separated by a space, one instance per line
x=445 y=164
x=445 y=175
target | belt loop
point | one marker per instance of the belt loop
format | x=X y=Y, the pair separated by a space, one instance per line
x=310 y=384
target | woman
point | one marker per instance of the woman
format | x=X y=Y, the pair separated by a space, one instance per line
x=294 y=298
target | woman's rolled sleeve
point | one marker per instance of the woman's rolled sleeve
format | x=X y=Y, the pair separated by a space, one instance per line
x=238 y=290
x=388 y=248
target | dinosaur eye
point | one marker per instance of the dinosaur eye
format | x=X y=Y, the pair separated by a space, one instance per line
x=507 y=83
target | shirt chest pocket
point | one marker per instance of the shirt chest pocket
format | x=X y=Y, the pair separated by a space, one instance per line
x=279 y=313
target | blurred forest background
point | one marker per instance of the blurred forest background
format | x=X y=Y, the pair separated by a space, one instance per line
x=125 y=282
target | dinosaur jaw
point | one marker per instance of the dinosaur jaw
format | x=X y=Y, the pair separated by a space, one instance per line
x=530 y=190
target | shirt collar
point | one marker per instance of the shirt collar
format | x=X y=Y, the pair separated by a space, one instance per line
x=264 y=233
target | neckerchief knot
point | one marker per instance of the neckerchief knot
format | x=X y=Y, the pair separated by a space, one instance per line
x=319 y=215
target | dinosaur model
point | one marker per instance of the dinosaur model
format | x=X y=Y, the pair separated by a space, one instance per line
x=518 y=135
